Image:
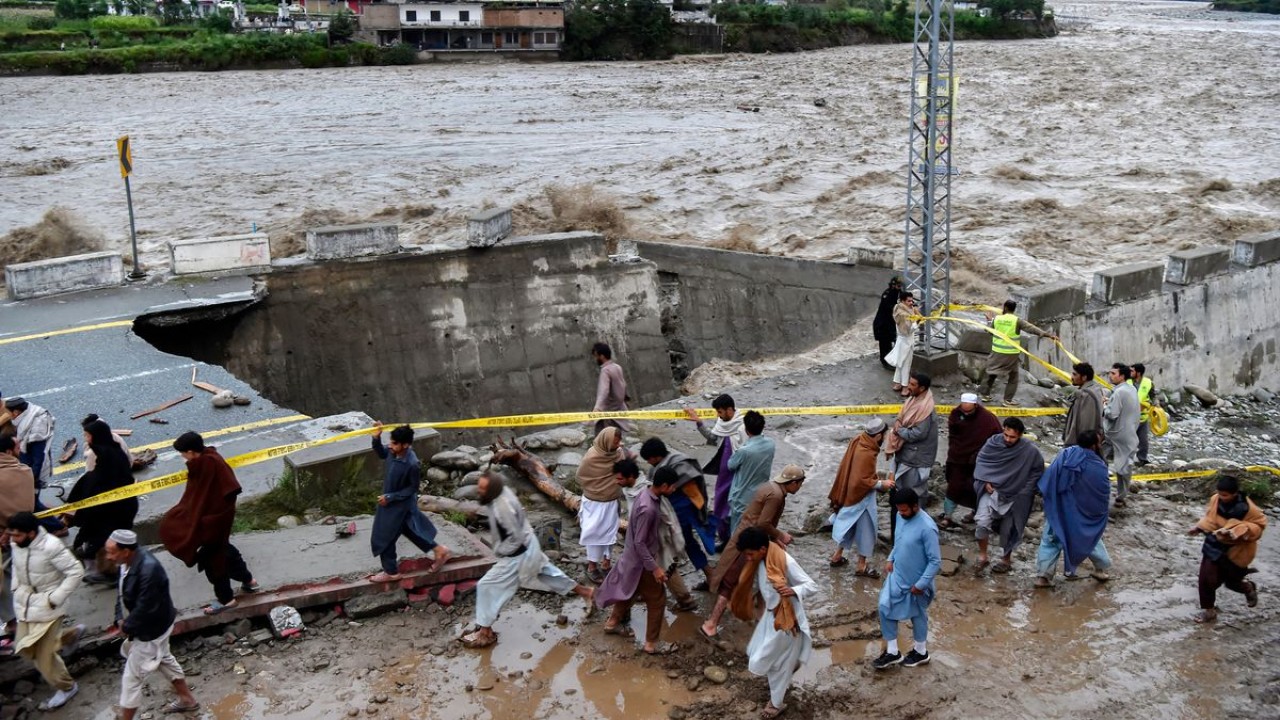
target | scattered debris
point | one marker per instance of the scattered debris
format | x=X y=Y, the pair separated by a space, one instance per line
x=68 y=450
x=158 y=421
x=159 y=408
x=223 y=399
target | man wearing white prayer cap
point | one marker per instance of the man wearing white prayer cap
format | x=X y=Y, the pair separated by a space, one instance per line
x=145 y=615
x=968 y=427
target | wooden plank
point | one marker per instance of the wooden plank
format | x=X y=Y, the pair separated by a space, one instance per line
x=209 y=387
x=165 y=406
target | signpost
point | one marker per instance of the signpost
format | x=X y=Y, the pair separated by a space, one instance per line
x=125 y=153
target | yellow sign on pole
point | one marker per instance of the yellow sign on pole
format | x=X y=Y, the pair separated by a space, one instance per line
x=126 y=155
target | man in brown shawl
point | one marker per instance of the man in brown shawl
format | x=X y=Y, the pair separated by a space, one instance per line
x=1232 y=525
x=853 y=498
x=599 y=512
x=968 y=428
x=197 y=530
x=764 y=512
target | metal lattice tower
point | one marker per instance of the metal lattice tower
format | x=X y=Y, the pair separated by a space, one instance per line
x=927 y=262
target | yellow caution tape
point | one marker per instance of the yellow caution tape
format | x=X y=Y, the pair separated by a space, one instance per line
x=166 y=481
x=67 y=331
x=1182 y=474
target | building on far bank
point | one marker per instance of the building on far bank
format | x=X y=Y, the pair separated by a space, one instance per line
x=524 y=27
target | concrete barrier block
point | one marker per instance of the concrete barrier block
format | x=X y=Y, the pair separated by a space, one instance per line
x=346 y=241
x=64 y=274
x=486 y=228
x=1128 y=282
x=1052 y=301
x=1257 y=250
x=1190 y=266
x=868 y=257
x=228 y=252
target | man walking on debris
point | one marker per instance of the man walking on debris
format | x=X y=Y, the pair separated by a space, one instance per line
x=912 y=444
x=1077 y=491
x=968 y=428
x=772 y=592
x=641 y=572
x=1004 y=359
x=398 y=514
x=1120 y=416
x=883 y=327
x=611 y=388
x=599 y=512
x=145 y=615
x=853 y=499
x=1085 y=411
x=670 y=535
x=45 y=573
x=520 y=562
x=1009 y=467
x=750 y=464
x=690 y=503
x=908 y=587
x=763 y=513
x=197 y=530
x=729 y=435
x=1232 y=525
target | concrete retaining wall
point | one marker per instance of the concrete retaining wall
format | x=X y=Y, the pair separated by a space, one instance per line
x=65 y=274
x=348 y=241
x=1210 y=325
x=743 y=306
x=212 y=254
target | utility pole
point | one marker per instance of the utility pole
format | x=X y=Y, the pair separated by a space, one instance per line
x=927 y=253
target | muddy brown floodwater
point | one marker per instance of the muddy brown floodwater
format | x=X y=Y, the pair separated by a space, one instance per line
x=1145 y=127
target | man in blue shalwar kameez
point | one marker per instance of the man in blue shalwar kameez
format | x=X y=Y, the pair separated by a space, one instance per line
x=398 y=514
x=909 y=581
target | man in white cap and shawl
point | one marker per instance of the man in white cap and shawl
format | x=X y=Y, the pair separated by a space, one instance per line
x=145 y=615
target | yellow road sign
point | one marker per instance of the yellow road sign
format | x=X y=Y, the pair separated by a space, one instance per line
x=126 y=155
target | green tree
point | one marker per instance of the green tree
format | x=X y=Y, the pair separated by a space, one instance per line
x=73 y=9
x=618 y=30
x=218 y=22
x=342 y=27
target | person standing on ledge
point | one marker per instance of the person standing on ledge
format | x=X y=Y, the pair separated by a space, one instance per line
x=197 y=530
x=883 y=327
x=611 y=388
x=398 y=512
x=1005 y=350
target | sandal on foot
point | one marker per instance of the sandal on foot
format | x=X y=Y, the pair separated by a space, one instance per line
x=1205 y=616
x=713 y=639
x=868 y=572
x=687 y=605
x=442 y=556
x=1251 y=595
x=771 y=712
x=250 y=587
x=663 y=648
x=1002 y=568
x=477 y=640
x=839 y=563
x=620 y=630
x=216 y=607
x=383 y=577
x=174 y=707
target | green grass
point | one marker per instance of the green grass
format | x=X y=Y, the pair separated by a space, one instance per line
x=299 y=493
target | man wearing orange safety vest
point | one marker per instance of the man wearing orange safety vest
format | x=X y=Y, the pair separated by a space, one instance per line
x=1004 y=352
x=1138 y=378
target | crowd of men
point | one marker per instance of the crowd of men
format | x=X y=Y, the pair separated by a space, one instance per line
x=729 y=508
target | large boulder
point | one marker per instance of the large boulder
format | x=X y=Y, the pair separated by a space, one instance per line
x=567 y=436
x=454 y=460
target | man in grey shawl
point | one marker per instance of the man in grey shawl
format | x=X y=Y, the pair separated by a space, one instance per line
x=1120 y=417
x=520 y=562
x=1008 y=470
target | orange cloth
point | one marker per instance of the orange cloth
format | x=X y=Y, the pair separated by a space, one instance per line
x=914 y=411
x=744 y=595
x=692 y=492
x=856 y=477
x=1244 y=546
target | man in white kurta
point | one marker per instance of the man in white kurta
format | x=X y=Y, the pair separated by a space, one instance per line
x=773 y=653
x=520 y=563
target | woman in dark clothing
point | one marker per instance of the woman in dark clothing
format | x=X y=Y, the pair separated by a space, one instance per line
x=114 y=469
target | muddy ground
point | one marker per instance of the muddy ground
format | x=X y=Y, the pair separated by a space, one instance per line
x=1124 y=649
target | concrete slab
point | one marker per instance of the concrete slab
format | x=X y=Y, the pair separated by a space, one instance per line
x=936 y=365
x=1128 y=282
x=62 y=275
x=303 y=567
x=1051 y=301
x=1257 y=250
x=1190 y=266
x=330 y=462
x=214 y=254
x=486 y=228
x=348 y=241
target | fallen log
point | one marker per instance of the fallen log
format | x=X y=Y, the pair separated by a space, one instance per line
x=442 y=505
